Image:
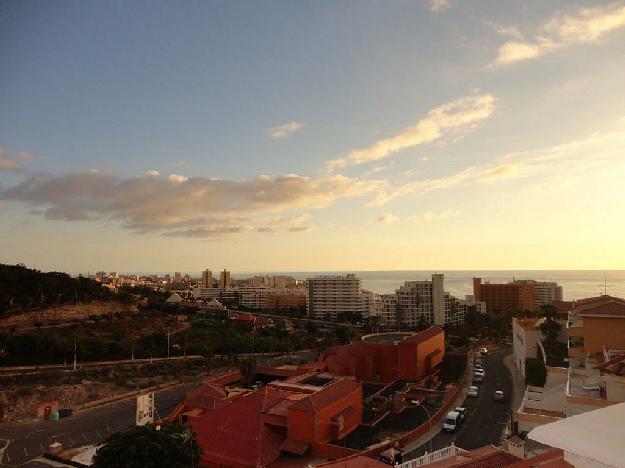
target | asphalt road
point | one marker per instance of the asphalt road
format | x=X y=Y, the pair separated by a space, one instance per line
x=27 y=441
x=486 y=418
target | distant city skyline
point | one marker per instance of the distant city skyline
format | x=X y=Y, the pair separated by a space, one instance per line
x=312 y=136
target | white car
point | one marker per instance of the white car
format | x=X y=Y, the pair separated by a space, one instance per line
x=473 y=391
x=483 y=351
x=451 y=421
x=499 y=396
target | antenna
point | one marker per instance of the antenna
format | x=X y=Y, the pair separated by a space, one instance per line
x=605 y=285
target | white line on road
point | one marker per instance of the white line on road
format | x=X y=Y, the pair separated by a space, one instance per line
x=26 y=452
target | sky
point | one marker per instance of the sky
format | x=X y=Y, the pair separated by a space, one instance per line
x=302 y=136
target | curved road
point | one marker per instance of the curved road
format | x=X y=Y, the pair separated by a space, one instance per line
x=486 y=419
x=23 y=442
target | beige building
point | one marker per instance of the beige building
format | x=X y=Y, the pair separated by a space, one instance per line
x=224 y=279
x=595 y=376
x=545 y=292
x=207 y=279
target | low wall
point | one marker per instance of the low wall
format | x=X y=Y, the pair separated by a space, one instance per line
x=332 y=452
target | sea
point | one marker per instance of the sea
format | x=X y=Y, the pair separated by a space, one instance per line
x=576 y=284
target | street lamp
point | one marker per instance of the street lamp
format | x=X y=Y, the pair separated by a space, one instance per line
x=420 y=404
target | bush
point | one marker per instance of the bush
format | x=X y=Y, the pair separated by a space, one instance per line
x=535 y=372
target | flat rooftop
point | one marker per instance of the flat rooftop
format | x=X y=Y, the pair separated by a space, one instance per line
x=386 y=338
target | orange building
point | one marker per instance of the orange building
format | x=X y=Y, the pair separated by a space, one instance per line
x=503 y=298
x=279 y=301
x=387 y=357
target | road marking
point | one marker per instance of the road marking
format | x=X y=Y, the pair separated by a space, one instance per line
x=26 y=452
x=41 y=445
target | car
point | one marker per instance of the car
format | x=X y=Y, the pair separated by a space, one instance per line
x=461 y=411
x=483 y=351
x=478 y=367
x=473 y=391
x=480 y=371
x=478 y=378
x=499 y=396
x=452 y=421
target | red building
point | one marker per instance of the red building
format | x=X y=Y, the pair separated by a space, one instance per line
x=388 y=356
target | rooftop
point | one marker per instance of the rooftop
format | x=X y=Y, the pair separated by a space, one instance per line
x=596 y=436
x=386 y=338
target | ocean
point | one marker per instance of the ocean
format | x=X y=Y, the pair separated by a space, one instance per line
x=576 y=284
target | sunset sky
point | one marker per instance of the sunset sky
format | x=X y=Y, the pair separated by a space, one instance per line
x=312 y=135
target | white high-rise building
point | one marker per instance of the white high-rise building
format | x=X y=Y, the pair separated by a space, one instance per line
x=427 y=302
x=331 y=295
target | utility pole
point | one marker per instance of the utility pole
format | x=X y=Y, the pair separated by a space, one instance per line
x=75 y=335
x=168 y=343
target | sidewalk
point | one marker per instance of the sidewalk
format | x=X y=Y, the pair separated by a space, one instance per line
x=436 y=428
x=518 y=382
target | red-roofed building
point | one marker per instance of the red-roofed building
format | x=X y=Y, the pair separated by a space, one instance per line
x=387 y=357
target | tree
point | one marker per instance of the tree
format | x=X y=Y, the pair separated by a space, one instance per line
x=173 y=446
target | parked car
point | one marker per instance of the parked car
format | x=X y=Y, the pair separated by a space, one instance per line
x=452 y=421
x=461 y=411
x=483 y=351
x=480 y=371
x=499 y=396
x=478 y=378
x=478 y=367
x=473 y=391
x=391 y=457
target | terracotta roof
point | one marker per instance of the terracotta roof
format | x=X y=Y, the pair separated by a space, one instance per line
x=424 y=335
x=498 y=459
x=327 y=395
x=600 y=306
x=355 y=462
x=615 y=366
x=236 y=432
x=298 y=447
x=563 y=306
x=553 y=459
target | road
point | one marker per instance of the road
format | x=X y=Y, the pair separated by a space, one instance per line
x=27 y=441
x=486 y=418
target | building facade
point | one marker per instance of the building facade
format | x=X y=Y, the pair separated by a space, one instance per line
x=207 y=279
x=331 y=295
x=504 y=298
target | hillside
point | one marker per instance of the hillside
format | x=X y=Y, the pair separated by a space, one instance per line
x=23 y=289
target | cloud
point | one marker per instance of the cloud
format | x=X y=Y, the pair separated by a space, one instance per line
x=273 y=224
x=463 y=113
x=565 y=161
x=436 y=5
x=430 y=216
x=587 y=25
x=175 y=205
x=386 y=218
x=8 y=164
x=302 y=228
x=284 y=130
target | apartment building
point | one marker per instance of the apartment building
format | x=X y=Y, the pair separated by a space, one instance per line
x=504 y=298
x=207 y=279
x=594 y=378
x=330 y=295
x=260 y=298
x=224 y=279
x=545 y=292
x=419 y=302
x=526 y=335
